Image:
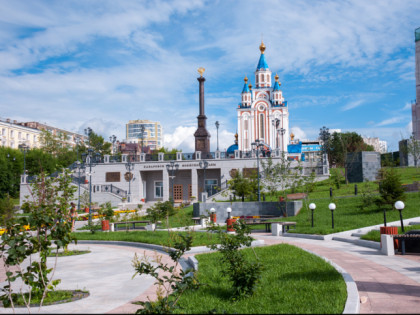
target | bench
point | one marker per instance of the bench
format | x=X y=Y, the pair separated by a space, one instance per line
x=264 y=220
x=196 y=220
x=130 y=223
x=406 y=237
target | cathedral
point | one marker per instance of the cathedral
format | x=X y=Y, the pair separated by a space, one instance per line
x=262 y=113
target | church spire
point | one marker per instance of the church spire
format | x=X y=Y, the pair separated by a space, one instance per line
x=262 y=74
x=262 y=64
x=246 y=94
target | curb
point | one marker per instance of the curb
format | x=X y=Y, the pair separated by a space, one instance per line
x=309 y=236
x=352 y=304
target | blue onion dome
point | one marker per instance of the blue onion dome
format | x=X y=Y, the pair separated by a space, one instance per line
x=233 y=147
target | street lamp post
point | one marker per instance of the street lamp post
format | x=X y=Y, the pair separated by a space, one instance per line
x=24 y=148
x=399 y=205
x=332 y=208
x=312 y=206
x=217 y=132
x=256 y=146
x=80 y=167
x=91 y=156
x=204 y=164
x=129 y=167
x=172 y=167
x=113 y=138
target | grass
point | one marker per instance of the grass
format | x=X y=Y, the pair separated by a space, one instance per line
x=162 y=238
x=375 y=235
x=53 y=297
x=348 y=215
x=293 y=282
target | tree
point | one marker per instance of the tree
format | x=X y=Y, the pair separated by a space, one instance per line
x=48 y=221
x=343 y=143
x=6 y=210
x=325 y=136
x=413 y=149
x=98 y=144
x=390 y=187
x=243 y=186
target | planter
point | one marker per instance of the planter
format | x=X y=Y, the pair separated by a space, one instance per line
x=105 y=225
x=390 y=230
x=229 y=225
x=86 y=181
x=86 y=209
x=213 y=217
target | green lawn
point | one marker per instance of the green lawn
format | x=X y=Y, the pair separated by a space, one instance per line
x=348 y=215
x=376 y=236
x=293 y=282
x=162 y=238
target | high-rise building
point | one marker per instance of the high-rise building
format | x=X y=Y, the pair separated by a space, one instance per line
x=378 y=145
x=145 y=132
x=263 y=113
x=415 y=107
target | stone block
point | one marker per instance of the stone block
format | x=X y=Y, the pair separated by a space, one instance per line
x=151 y=227
x=276 y=229
x=387 y=242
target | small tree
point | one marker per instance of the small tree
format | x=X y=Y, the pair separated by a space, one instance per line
x=49 y=221
x=7 y=211
x=243 y=274
x=413 y=148
x=390 y=188
x=240 y=185
x=171 y=282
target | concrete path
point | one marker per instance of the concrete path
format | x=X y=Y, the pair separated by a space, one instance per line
x=107 y=274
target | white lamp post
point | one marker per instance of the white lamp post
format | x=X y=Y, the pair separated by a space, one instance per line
x=312 y=206
x=213 y=215
x=399 y=205
x=229 y=210
x=332 y=208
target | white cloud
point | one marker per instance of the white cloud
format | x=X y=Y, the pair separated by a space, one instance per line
x=352 y=105
x=182 y=138
x=407 y=106
x=390 y=121
x=299 y=133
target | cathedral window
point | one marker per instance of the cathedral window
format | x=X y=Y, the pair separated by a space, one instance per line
x=261 y=126
x=256 y=78
x=262 y=77
x=268 y=78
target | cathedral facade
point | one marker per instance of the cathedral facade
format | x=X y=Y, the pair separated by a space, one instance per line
x=263 y=113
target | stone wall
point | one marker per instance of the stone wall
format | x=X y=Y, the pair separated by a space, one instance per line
x=246 y=209
x=362 y=166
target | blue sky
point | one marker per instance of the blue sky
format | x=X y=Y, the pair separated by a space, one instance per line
x=342 y=64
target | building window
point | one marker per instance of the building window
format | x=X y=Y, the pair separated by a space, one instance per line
x=262 y=77
x=11 y=134
x=268 y=78
x=261 y=126
x=158 y=189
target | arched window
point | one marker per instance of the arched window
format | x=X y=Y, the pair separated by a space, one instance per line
x=262 y=77
x=268 y=78
x=261 y=126
x=256 y=78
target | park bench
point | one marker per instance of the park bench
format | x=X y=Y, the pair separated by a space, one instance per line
x=262 y=220
x=413 y=241
x=196 y=220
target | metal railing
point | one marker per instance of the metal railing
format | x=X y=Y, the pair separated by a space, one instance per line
x=114 y=190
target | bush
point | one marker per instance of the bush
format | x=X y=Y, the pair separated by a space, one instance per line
x=390 y=187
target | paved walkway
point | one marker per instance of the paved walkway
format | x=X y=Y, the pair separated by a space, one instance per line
x=386 y=284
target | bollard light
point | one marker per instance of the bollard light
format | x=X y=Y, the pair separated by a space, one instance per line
x=399 y=205
x=229 y=210
x=213 y=210
x=312 y=206
x=332 y=207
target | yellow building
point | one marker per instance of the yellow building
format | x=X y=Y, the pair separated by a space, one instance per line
x=145 y=132
x=13 y=135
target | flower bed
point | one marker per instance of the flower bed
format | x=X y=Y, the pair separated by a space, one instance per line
x=95 y=215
